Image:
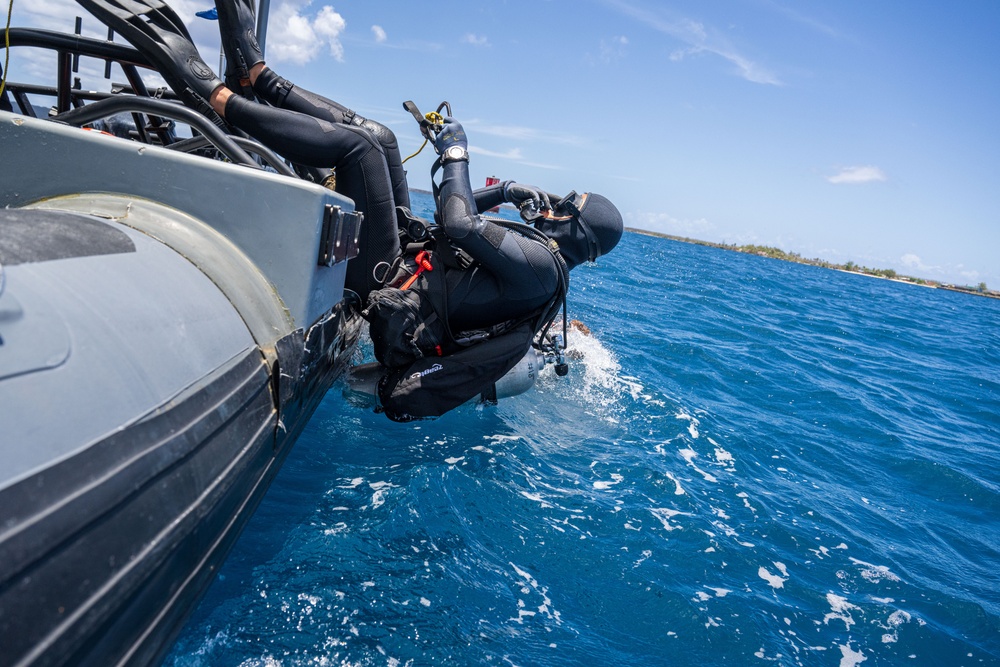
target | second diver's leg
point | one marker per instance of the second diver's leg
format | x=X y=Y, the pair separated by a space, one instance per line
x=281 y=93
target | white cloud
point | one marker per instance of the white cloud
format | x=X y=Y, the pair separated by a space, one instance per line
x=510 y=154
x=794 y=15
x=857 y=175
x=296 y=38
x=379 y=33
x=971 y=275
x=514 y=155
x=748 y=69
x=475 y=40
x=526 y=134
x=699 y=40
x=612 y=50
x=329 y=24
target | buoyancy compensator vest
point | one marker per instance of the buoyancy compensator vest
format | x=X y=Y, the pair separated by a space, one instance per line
x=431 y=368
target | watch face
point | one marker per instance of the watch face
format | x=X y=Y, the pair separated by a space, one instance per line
x=456 y=153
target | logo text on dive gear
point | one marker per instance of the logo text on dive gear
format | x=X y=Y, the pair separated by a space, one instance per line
x=433 y=369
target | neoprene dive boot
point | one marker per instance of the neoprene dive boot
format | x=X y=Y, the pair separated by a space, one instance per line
x=153 y=28
x=239 y=41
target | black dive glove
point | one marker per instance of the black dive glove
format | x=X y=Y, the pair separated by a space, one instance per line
x=452 y=135
x=529 y=196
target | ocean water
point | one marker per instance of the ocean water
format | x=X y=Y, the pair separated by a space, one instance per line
x=751 y=463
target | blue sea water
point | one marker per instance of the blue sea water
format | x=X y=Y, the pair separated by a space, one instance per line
x=753 y=463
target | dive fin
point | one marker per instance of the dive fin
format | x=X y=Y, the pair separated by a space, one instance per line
x=236 y=27
x=153 y=28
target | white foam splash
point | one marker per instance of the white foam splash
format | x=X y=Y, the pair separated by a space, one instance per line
x=601 y=369
x=690 y=455
x=774 y=580
x=821 y=553
x=208 y=646
x=729 y=531
x=874 y=573
x=723 y=457
x=265 y=661
x=501 y=439
x=530 y=585
x=616 y=479
x=336 y=529
x=664 y=515
x=896 y=619
x=693 y=423
x=840 y=610
x=850 y=657
x=678 y=489
x=746 y=500
x=380 y=489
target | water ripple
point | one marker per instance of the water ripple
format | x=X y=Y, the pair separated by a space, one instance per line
x=750 y=462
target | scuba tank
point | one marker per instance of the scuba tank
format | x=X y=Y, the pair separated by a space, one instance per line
x=519 y=379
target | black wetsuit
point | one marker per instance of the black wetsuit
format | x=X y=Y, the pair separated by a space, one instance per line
x=515 y=276
x=317 y=132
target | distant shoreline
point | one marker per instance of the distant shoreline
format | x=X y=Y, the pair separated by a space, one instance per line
x=850 y=267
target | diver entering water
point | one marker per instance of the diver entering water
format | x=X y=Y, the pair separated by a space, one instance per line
x=450 y=332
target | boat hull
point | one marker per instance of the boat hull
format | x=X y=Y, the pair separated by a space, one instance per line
x=156 y=366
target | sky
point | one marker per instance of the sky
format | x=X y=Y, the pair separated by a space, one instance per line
x=848 y=131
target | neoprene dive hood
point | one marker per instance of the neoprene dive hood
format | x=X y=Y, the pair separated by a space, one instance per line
x=585 y=227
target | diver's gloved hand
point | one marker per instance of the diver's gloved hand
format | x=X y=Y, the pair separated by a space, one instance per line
x=237 y=29
x=526 y=195
x=451 y=134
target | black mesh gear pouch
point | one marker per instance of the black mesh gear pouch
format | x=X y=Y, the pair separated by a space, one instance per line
x=432 y=386
x=404 y=326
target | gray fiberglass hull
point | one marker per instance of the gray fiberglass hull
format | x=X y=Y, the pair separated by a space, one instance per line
x=168 y=325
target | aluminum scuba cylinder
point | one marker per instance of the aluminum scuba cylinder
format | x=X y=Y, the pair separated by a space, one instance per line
x=522 y=377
